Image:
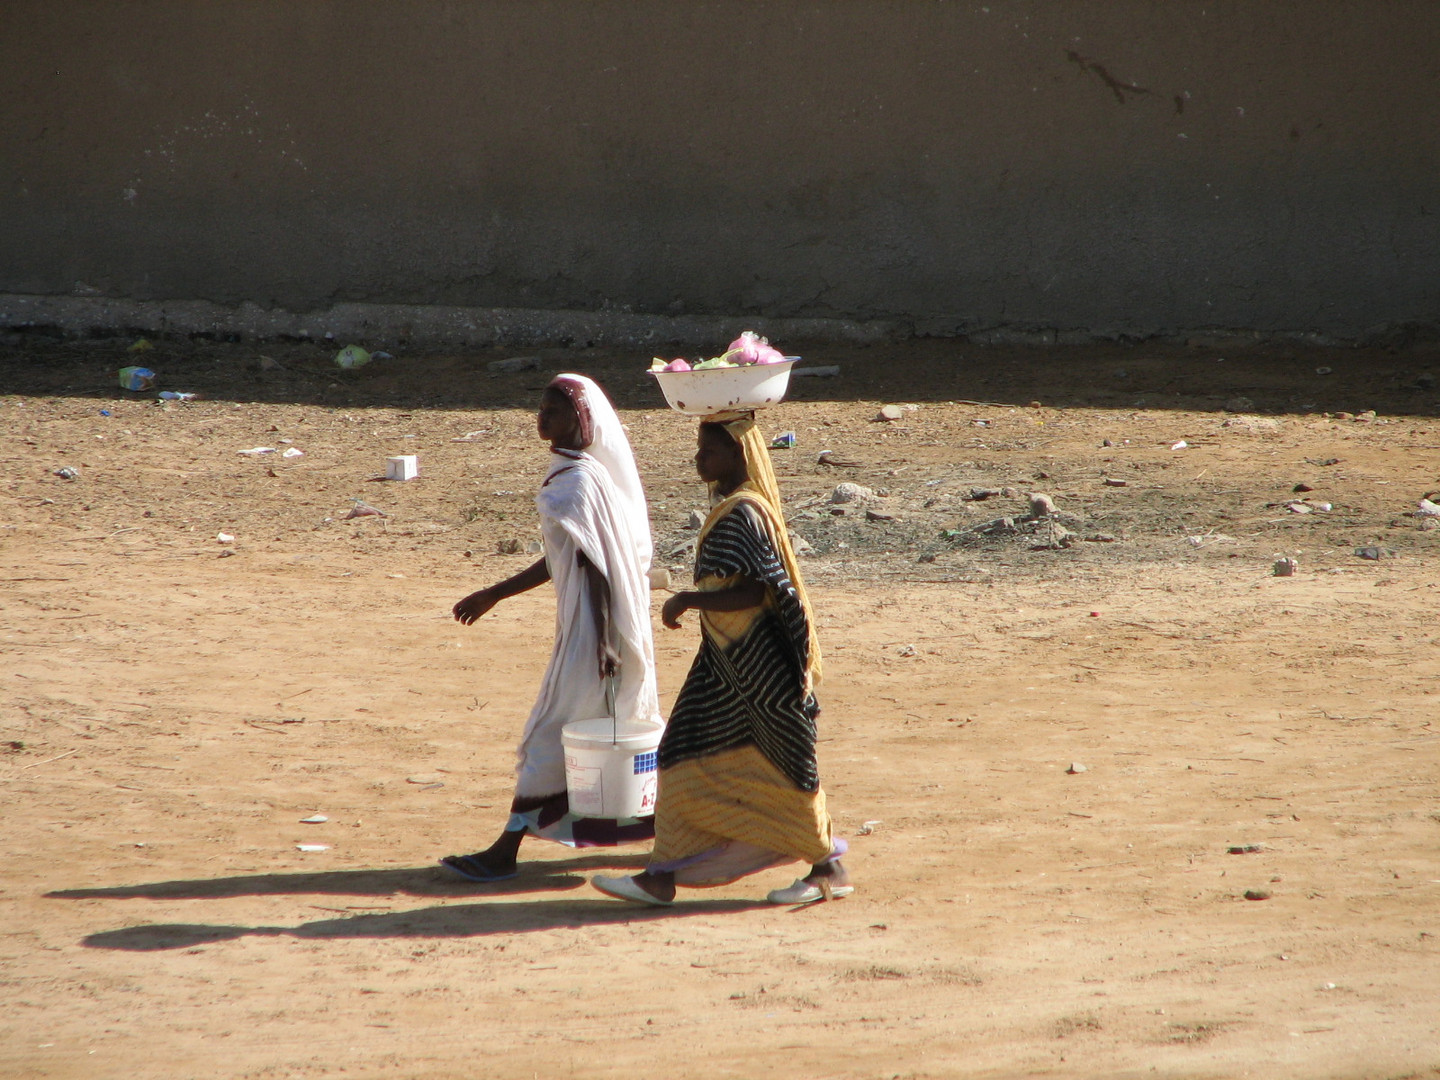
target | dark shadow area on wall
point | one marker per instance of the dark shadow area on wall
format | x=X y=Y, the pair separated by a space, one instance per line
x=1211 y=375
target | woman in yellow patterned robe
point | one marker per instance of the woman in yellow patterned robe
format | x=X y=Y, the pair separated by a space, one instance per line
x=739 y=786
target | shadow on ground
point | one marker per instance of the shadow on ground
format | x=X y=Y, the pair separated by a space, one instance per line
x=458 y=921
x=555 y=875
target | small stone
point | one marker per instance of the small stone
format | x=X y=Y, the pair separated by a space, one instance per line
x=1366 y=417
x=695 y=520
x=659 y=577
x=1041 y=506
x=1375 y=554
x=848 y=492
x=1301 y=488
x=905 y=650
x=1111 y=481
x=1257 y=894
x=1076 y=767
x=1286 y=567
x=890 y=413
x=875 y=515
x=801 y=545
x=1245 y=849
x=513 y=364
x=314 y=819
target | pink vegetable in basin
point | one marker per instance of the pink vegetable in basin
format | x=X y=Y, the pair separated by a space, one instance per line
x=677 y=365
x=751 y=348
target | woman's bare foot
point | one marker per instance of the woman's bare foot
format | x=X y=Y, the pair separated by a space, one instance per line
x=660 y=886
x=832 y=873
x=495 y=863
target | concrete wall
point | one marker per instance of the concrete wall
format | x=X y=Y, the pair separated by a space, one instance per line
x=1111 y=166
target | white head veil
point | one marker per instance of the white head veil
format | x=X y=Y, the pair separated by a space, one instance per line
x=611 y=448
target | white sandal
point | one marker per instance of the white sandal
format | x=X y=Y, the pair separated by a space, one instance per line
x=624 y=888
x=805 y=892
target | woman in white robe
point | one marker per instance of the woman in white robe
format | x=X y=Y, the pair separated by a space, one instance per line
x=596 y=533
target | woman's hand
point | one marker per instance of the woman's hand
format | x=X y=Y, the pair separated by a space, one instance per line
x=674 y=607
x=609 y=661
x=475 y=605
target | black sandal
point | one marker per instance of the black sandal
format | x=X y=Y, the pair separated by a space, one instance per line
x=471 y=868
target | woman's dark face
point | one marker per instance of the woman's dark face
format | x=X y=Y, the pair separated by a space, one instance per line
x=718 y=457
x=557 y=422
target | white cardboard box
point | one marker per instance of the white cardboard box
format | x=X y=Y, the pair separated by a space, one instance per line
x=405 y=467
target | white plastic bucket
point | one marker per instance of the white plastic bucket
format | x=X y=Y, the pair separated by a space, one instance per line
x=610 y=767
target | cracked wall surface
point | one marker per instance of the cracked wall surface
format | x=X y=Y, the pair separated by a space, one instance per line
x=1135 y=167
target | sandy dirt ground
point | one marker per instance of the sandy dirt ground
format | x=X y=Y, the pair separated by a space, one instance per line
x=1122 y=802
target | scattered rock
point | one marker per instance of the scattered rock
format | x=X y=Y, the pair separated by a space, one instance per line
x=1375 y=553
x=1285 y=567
x=1428 y=508
x=905 y=650
x=659 y=577
x=1111 y=481
x=1257 y=894
x=1076 y=767
x=514 y=364
x=890 y=413
x=1366 y=417
x=1042 y=506
x=801 y=545
x=835 y=461
x=1052 y=536
x=1245 y=849
x=695 y=520
x=1301 y=487
x=847 y=492
x=875 y=515
x=67 y=473
x=1252 y=424
x=981 y=494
